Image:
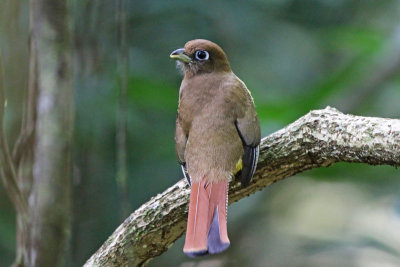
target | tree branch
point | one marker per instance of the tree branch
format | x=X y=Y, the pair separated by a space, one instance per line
x=318 y=139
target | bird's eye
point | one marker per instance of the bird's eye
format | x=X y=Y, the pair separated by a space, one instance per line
x=202 y=55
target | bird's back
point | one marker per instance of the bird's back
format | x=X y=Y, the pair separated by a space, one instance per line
x=207 y=112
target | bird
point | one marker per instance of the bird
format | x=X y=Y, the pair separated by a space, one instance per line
x=217 y=134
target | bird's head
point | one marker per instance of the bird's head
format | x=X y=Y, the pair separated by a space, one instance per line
x=201 y=56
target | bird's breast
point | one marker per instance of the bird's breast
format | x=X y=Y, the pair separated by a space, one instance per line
x=197 y=99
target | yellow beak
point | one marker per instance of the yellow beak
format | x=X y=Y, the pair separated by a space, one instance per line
x=179 y=54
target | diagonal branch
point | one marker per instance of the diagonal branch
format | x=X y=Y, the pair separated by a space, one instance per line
x=318 y=139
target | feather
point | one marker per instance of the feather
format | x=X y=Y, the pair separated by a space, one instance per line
x=218 y=240
x=206 y=228
x=250 y=159
x=185 y=173
x=197 y=225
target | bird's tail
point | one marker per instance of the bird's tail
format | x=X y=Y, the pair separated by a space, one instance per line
x=206 y=231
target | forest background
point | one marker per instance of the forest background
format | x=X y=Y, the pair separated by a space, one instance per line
x=293 y=55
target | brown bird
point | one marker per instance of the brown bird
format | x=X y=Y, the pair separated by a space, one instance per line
x=217 y=132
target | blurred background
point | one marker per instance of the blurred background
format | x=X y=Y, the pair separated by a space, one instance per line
x=294 y=56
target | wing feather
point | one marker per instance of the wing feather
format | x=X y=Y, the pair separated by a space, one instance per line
x=248 y=128
x=186 y=174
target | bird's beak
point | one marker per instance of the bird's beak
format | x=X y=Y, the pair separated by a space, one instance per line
x=179 y=54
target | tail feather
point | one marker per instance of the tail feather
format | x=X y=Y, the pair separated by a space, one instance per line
x=196 y=239
x=217 y=240
x=206 y=227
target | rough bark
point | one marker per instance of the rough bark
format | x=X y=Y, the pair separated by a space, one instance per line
x=50 y=197
x=318 y=139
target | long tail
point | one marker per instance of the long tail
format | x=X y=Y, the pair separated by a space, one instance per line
x=206 y=231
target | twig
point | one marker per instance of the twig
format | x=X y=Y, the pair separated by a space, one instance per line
x=122 y=165
x=8 y=173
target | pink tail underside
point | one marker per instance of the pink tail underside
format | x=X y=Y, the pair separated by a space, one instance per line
x=206 y=228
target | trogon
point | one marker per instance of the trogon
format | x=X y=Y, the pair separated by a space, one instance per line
x=217 y=132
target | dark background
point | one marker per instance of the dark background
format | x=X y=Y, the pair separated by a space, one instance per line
x=293 y=55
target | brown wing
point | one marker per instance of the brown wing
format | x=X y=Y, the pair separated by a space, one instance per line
x=249 y=131
x=180 y=146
